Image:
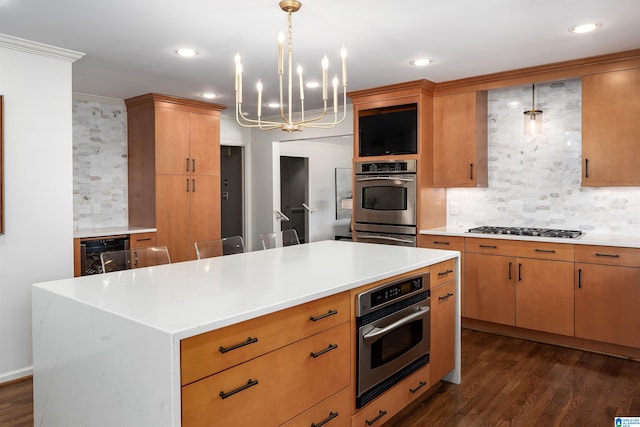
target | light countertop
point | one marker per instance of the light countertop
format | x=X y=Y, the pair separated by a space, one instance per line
x=188 y=298
x=587 y=238
x=109 y=231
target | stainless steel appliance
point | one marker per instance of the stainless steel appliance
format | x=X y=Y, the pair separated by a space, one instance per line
x=385 y=202
x=90 y=250
x=527 y=231
x=392 y=322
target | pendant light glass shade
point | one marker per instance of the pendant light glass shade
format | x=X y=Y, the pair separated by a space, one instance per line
x=533 y=117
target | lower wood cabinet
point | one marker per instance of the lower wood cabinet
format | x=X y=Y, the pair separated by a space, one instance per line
x=333 y=412
x=443 y=330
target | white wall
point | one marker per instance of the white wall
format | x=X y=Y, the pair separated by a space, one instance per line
x=38 y=241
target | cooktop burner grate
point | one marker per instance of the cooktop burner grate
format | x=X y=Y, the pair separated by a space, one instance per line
x=527 y=231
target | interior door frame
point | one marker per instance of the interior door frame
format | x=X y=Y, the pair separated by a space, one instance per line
x=306 y=192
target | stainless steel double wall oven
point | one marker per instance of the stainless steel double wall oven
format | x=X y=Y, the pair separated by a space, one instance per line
x=385 y=202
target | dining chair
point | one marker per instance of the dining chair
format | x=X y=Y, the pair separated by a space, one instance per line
x=278 y=239
x=134 y=258
x=225 y=246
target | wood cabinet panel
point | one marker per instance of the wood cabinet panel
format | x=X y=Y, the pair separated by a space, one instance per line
x=205 y=199
x=141 y=240
x=172 y=199
x=380 y=410
x=606 y=304
x=520 y=248
x=442 y=273
x=172 y=141
x=333 y=412
x=443 y=330
x=204 y=150
x=272 y=388
x=450 y=243
x=490 y=288
x=200 y=355
x=610 y=129
x=609 y=255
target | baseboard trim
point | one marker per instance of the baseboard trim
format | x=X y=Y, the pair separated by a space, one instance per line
x=16 y=375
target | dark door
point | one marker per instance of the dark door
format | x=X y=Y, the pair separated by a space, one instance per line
x=231 y=190
x=294 y=186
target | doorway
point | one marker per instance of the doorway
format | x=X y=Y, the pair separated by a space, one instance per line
x=231 y=191
x=294 y=191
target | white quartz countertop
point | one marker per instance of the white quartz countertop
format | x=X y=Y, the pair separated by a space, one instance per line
x=109 y=231
x=188 y=298
x=587 y=238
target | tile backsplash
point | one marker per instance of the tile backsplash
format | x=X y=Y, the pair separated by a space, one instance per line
x=535 y=181
x=99 y=164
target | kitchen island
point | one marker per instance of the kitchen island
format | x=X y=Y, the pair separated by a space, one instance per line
x=107 y=347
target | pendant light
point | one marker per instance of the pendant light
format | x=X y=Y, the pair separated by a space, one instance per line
x=533 y=117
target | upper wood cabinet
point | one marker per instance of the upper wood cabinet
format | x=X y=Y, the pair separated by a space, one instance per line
x=460 y=140
x=611 y=129
x=174 y=170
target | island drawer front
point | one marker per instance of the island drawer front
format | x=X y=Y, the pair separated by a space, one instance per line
x=443 y=272
x=383 y=408
x=273 y=388
x=450 y=243
x=334 y=412
x=211 y=352
x=608 y=255
x=519 y=248
x=142 y=240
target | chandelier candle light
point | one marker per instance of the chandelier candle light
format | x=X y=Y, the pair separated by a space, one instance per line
x=533 y=117
x=288 y=123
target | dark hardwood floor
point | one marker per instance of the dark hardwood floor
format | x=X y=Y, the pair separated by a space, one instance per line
x=505 y=382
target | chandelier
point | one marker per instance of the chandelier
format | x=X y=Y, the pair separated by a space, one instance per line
x=323 y=119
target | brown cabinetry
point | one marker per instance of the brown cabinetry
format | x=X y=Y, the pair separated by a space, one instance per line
x=610 y=129
x=460 y=140
x=174 y=170
x=607 y=293
x=443 y=319
x=450 y=243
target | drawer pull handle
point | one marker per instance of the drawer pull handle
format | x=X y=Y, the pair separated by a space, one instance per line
x=331 y=416
x=579 y=278
x=609 y=255
x=422 y=384
x=380 y=415
x=519 y=272
x=326 y=350
x=436 y=242
x=546 y=251
x=510 y=264
x=444 y=273
x=249 y=340
x=322 y=316
x=445 y=297
x=488 y=246
x=250 y=383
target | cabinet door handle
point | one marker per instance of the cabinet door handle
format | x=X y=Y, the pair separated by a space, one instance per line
x=547 y=251
x=135 y=258
x=586 y=168
x=579 y=278
x=608 y=255
x=436 y=242
x=250 y=383
x=249 y=340
x=187 y=185
x=444 y=273
x=322 y=316
x=193 y=165
x=510 y=264
x=445 y=297
x=187 y=167
x=488 y=246
x=331 y=416
x=143 y=240
x=380 y=415
x=193 y=185
x=519 y=272
x=326 y=350
x=471 y=171
x=415 y=390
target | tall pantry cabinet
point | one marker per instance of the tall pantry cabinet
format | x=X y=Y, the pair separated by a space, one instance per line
x=174 y=170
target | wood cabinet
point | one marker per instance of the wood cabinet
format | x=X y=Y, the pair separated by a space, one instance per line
x=610 y=129
x=443 y=319
x=174 y=170
x=272 y=369
x=142 y=240
x=460 y=140
x=523 y=284
x=450 y=243
x=607 y=290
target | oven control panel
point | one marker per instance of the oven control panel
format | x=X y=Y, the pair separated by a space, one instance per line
x=386 y=166
x=383 y=295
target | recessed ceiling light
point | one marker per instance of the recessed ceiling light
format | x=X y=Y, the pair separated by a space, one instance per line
x=186 y=52
x=583 y=28
x=209 y=95
x=420 y=62
x=312 y=85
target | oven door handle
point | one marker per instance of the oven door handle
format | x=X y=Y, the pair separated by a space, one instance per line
x=375 y=236
x=384 y=178
x=376 y=332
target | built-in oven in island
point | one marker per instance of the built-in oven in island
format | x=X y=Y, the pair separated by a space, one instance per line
x=385 y=202
x=393 y=332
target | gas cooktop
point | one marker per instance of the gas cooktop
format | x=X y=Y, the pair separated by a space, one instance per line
x=527 y=231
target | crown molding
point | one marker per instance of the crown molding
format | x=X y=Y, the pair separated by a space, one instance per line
x=97 y=98
x=41 y=49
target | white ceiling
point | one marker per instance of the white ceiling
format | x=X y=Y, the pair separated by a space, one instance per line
x=129 y=43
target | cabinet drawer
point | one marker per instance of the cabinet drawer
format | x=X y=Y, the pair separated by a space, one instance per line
x=384 y=407
x=608 y=255
x=214 y=351
x=451 y=243
x=333 y=412
x=273 y=388
x=443 y=272
x=519 y=248
x=141 y=240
